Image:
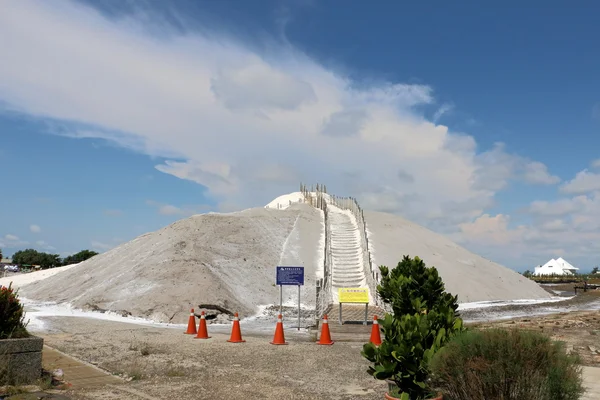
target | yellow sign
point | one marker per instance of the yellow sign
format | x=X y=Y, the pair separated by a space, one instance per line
x=353 y=295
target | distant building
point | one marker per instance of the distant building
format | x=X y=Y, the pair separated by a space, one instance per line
x=556 y=267
x=6 y=261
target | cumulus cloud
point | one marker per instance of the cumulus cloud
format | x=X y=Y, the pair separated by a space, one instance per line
x=488 y=229
x=44 y=245
x=11 y=241
x=35 y=228
x=246 y=124
x=566 y=227
x=258 y=86
x=584 y=182
x=498 y=167
x=537 y=173
x=344 y=123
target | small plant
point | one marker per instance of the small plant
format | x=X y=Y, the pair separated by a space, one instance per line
x=145 y=350
x=12 y=315
x=506 y=364
x=423 y=319
x=176 y=372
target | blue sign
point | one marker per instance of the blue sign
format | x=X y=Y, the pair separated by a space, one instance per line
x=290 y=276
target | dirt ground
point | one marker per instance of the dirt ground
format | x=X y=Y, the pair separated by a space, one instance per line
x=165 y=363
x=161 y=363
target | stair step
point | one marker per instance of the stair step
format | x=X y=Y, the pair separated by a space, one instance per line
x=347 y=251
x=356 y=279
x=354 y=261
x=349 y=277
x=349 y=267
x=346 y=283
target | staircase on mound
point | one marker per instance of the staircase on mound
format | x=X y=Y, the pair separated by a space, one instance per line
x=346 y=251
x=347 y=261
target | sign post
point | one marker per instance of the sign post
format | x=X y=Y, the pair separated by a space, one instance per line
x=290 y=276
x=354 y=295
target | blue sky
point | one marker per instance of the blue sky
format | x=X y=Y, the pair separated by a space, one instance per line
x=120 y=117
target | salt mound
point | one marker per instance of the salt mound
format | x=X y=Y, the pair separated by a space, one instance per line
x=229 y=260
x=286 y=200
x=223 y=259
x=472 y=277
x=30 y=277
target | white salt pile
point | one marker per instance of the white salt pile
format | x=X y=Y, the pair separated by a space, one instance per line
x=229 y=260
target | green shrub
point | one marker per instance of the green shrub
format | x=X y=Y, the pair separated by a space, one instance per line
x=506 y=365
x=423 y=319
x=12 y=324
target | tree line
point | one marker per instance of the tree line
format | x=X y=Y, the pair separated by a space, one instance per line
x=46 y=260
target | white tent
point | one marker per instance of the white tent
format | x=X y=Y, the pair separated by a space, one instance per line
x=556 y=267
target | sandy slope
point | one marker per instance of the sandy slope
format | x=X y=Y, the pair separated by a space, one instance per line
x=225 y=259
x=470 y=276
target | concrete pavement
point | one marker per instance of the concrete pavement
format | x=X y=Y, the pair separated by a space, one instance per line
x=591 y=380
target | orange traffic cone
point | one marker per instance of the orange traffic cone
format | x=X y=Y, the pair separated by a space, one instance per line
x=202 y=331
x=325 y=336
x=279 y=337
x=191 y=330
x=236 y=332
x=375 y=333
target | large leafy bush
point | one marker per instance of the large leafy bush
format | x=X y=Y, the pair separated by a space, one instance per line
x=506 y=365
x=423 y=319
x=12 y=316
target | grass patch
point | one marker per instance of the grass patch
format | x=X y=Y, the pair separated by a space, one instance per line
x=143 y=347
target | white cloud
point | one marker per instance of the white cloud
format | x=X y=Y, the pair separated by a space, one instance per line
x=497 y=167
x=567 y=227
x=258 y=86
x=45 y=246
x=35 y=228
x=246 y=124
x=488 y=229
x=537 y=173
x=444 y=109
x=584 y=182
x=11 y=241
